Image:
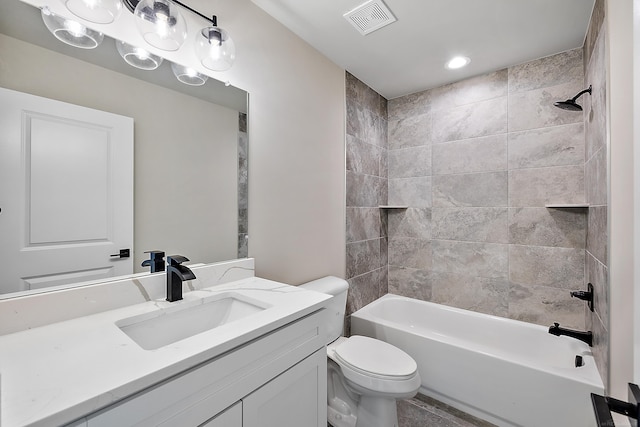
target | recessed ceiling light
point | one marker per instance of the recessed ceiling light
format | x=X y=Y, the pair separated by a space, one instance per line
x=458 y=62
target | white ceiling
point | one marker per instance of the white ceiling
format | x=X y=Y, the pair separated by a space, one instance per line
x=408 y=56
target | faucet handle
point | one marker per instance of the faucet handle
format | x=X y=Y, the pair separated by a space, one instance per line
x=155 y=254
x=176 y=259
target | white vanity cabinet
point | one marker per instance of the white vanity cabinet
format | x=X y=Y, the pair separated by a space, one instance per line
x=278 y=379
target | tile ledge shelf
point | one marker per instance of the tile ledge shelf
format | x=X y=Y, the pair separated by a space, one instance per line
x=392 y=207
x=567 y=206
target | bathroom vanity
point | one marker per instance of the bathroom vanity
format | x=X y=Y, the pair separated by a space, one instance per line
x=236 y=351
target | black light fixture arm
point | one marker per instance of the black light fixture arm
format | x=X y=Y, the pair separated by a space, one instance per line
x=213 y=19
x=131 y=5
x=573 y=99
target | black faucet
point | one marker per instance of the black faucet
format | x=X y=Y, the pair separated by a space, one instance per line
x=176 y=273
x=579 y=335
x=156 y=262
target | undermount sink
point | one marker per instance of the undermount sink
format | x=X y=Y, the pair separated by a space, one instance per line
x=188 y=318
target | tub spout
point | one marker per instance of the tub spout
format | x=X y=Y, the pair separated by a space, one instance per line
x=579 y=335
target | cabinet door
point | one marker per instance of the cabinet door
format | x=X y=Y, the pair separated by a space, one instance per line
x=231 y=417
x=295 y=398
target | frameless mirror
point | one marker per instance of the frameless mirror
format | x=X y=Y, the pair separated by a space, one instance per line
x=189 y=155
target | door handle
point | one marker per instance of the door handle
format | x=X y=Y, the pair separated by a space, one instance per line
x=124 y=253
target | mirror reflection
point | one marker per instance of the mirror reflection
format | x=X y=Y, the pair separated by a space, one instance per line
x=189 y=174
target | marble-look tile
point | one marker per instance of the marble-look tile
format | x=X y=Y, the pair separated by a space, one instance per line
x=411 y=222
x=364 y=289
x=414 y=192
x=410 y=132
x=363 y=224
x=362 y=257
x=359 y=92
x=565 y=67
x=412 y=413
x=243 y=245
x=384 y=251
x=470 y=121
x=410 y=282
x=600 y=347
x=548 y=227
x=446 y=412
x=534 y=109
x=488 y=260
x=363 y=157
x=595 y=178
x=553 y=146
x=407 y=252
x=597 y=235
x=478 y=189
x=598 y=275
x=547 y=266
x=469 y=91
x=484 y=154
x=595 y=27
x=540 y=186
x=544 y=305
x=383 y=161
x=364 y=190
x=242 y=122
x=595 y=105
x=410 y=162
x=243 y=220
x=410 y=105
x=479 y=294
x=471 y=224
x=365 y=125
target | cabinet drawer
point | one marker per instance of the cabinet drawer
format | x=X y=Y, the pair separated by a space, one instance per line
x=193 y=397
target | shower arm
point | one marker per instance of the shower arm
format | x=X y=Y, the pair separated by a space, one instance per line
x=581 y=93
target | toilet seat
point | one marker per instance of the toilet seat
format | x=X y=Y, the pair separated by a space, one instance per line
x=377 y=358
x=375 y=366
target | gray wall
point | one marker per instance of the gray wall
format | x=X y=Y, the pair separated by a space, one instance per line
x=596 y=174
x=476 y=162
x=366 y=242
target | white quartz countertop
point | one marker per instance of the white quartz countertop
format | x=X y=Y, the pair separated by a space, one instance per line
x=57 y=373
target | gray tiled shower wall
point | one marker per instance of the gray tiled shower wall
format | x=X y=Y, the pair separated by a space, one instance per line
x=366 y=190
x=596 y=173
x=476 y=161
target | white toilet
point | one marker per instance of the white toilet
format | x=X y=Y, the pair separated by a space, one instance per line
x=365 y=376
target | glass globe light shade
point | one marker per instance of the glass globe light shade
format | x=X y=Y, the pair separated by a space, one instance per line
x=188 y=75
x=215 y=48
x=161 y=24
x=98 y=11
x=71 y=32
x=138 y=57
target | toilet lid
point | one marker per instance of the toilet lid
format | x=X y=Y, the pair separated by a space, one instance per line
x=375 y=357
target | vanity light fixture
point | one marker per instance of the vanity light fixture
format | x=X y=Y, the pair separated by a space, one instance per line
x=71 y=32
x=457 y=62
x=138 y=57
x=162 y=26
x=161 y=23
x=98 y=11
x=188 y=75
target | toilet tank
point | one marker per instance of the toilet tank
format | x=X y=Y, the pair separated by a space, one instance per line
x=335 y=306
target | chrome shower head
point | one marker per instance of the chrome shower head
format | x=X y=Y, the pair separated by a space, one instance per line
x=570 y=104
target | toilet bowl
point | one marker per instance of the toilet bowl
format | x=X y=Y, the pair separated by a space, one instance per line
x=365 y=376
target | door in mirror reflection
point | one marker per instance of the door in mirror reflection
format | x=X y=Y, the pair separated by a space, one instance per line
x=66 y=193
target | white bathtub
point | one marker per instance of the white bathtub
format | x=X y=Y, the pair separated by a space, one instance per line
x=504 y=371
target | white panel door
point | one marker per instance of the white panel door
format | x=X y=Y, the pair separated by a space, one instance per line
x=66 y=192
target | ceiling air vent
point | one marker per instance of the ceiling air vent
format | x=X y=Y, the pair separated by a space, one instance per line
x=370 y=16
